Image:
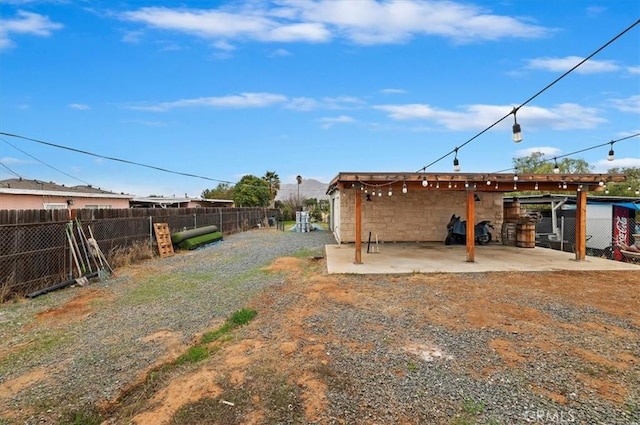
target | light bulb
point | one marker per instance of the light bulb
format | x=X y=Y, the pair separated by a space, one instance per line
x=425 y=183
x=564 y=185
x=379 y=192
x=515 y=178
x=601 y=183
x=437 y=185
x=466 y=185
x=515 y=186
x=389 y=193
x=488 y=182
x=536 y=186
x=404 y=188
x=611 y=155
x=456 y=165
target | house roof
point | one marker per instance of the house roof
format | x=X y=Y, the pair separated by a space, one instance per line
x=482 y=182
x=37 y=187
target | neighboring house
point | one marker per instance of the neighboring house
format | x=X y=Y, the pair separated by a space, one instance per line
x=23 y=194
x=173 y=202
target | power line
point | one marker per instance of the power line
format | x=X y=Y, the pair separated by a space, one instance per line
x=125 y=161
x=515 y=109
x=10 y=170
x=44 y=163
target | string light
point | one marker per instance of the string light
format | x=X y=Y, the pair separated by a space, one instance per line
x=536 y=186
x=404 y=187
x=611 y=155
x=456 y=163
x=556 y=169
x=390 y=192
x=517 y=132
x=425 y=182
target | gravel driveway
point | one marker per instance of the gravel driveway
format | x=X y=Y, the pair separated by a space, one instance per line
x=484 y=348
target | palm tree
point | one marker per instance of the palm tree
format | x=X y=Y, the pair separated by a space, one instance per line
x=273 y=179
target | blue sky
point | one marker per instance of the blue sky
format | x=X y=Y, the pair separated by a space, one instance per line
x=226 y=88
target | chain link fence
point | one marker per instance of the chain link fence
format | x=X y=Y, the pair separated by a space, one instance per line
x=37 y=255
x=600 y=235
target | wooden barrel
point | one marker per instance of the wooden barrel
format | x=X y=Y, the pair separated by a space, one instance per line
x=508 y=234
x=526 y=235
x=512 y=211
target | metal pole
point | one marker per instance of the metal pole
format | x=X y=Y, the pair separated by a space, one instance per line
x=562 y=233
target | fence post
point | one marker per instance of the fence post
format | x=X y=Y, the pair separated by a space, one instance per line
x=221 y=231
x=195 y=221
x=150 y=232
x=562 y=233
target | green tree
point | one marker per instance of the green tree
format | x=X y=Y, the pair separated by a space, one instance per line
x=251 y=191
x=539 y=163
x=222 y=191
x=274 y=185
x=627 y=188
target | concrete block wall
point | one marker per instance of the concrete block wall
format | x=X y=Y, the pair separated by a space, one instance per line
x=420 y=216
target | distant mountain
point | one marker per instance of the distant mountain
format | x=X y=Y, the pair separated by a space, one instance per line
x=309 y=188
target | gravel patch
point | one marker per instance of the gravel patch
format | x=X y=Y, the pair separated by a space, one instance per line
x=94 y=358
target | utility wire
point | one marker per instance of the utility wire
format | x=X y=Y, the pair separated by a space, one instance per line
x=515 y=109
x=126 y=161
x=555 y=157
x=10 y=170
x=44 y=163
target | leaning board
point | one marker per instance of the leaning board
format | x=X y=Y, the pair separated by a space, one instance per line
x=163 y=237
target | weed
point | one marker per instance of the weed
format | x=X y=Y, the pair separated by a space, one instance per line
x=461 y=420
x=242 y=317
x=194 y=354
x=473 y=407
x=124 y=256
x=239 y=318
x=87 y=415
x=412 y=366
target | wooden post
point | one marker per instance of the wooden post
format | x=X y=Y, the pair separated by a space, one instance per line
x=471 y=254
x=358 y=196
x=581 y=225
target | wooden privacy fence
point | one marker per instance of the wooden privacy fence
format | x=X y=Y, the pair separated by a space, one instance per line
x=34 y=250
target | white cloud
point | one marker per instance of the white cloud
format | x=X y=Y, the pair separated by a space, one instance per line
x=633 y=70
x=361 y=22
x=8 y=160
x=591 y=66
x=602 y=166
x=132 y=37
x=79 y=106
x=279 y=53
x=328 y=122
x=302 y=104
x=224 y=45
x=25 y=23
x=547 y=151
x=630 y=104
x=393 y=91
x=243 y=100
x=564 y=116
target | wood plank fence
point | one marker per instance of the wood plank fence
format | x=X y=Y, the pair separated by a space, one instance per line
x=34 y=249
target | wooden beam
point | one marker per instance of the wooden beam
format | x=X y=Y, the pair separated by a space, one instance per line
x=471 y=217
x=358 y=195
x=581 y=225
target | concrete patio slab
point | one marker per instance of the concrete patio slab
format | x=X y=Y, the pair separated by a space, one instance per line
x=435 y=257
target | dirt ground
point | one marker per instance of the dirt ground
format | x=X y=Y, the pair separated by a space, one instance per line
x=281 y=367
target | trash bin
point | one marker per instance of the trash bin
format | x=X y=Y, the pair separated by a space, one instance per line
x=272 y=221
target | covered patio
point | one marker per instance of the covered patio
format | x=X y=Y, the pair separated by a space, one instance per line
x=349 y=189
x=434 y=257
